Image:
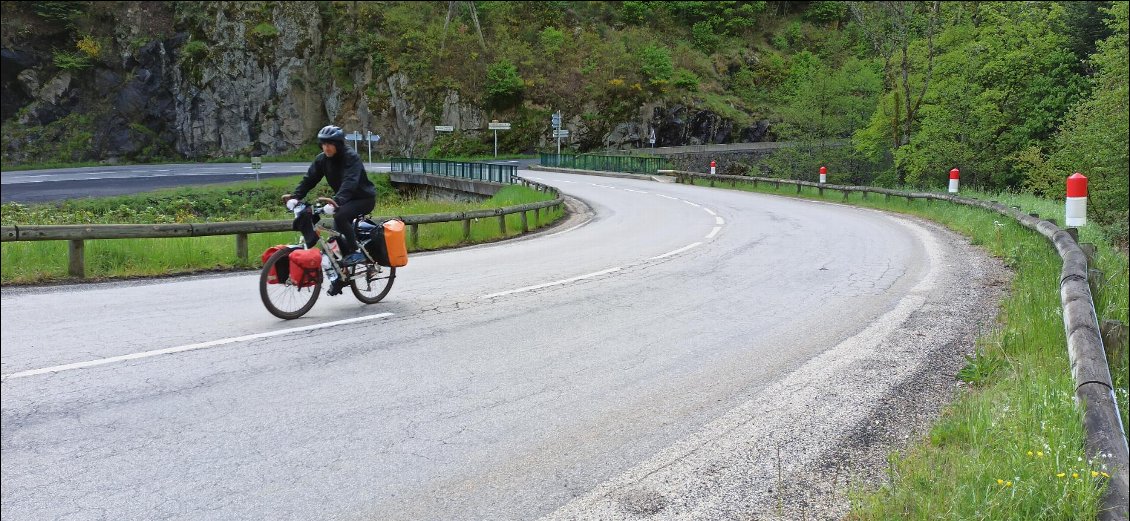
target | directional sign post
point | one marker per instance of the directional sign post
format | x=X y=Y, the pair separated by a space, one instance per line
x=496 y=126
x=373 y=138
x=354 y=137
x=256 y=165
x=556 y=120
x=445 y=128
x=651 y=138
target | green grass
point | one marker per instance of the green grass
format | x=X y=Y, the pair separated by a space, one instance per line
x=1012 y=445
x=33 y=262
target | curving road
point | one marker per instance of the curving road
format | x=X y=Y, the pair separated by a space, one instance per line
x=672 y=351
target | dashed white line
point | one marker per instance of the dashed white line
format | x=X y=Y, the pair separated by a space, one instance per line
x=554 y=283
x=602 y=186
x=668 y=197
x=692 y=204
x=676 y=252
x=190 y=347
x=636 y=191
x=718 y=220
x=713 y=232
x=709 y=211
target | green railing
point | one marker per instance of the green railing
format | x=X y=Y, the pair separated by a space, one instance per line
x=636 y=165
x=506 y=174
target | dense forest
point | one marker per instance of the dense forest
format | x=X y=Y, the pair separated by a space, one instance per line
x=1018 y=95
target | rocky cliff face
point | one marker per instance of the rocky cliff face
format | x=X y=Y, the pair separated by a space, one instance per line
x=241 y=79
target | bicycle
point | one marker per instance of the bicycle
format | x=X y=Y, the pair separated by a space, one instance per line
x=289 y=298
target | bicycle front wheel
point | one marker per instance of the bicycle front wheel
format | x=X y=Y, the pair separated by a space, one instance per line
x=371 y=282
x=283 y=298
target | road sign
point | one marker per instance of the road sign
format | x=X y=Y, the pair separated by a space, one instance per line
x=445 y=128
x=374 y=137
x=556 y=120
x=356 y=136
x=256 y=162
x=561 y=133
x=651 y=137
x=494 y=125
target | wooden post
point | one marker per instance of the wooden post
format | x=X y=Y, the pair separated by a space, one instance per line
x=819 y=189
x=1114 y=334
x=1074 y=233
x=76 y=250
x=502 y=225
x=414 y=235
x=525 y=225
x=466 y=229
x=241 y=246
x=865 y=195
x=845 y=195
x=1088 y=250
x=537 y=218
x=886 y=197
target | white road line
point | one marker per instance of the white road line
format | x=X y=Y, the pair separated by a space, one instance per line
x=568 y=230
x=554 y=283
x=713 y=232
x=602 y=186
x=668 y=197
x=190 y=347
x=718 y=220
x=709 y=211
x=692 y=204
x=564 y=181
x=636 y=191
x=676 y=252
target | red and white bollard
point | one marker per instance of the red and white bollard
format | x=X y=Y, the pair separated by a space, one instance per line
x=712 y=166
x=955 y=178
x=1076 y=200
x=823 y=174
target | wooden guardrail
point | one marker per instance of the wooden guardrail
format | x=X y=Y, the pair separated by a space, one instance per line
x=1106 y=441
x=77 y=234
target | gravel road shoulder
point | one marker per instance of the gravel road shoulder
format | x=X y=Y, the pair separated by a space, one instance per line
x=793 y=451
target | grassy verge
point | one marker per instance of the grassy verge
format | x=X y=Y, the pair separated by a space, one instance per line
x=35 y=262
x=1012 y=445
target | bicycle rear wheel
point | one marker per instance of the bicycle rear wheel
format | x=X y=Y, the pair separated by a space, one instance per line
x=371 y=282
x=284 y=299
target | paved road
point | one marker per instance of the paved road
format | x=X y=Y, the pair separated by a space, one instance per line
x=37 y=186
x=541 y=377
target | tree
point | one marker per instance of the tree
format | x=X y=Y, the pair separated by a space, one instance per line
x=891 y=27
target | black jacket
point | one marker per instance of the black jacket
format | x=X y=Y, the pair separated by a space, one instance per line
x=345 y=172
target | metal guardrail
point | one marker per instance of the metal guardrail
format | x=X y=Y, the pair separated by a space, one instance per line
x=458 y=169
x=639 y=165
x=736 y=147
x=1106 y=440
x=76 y=235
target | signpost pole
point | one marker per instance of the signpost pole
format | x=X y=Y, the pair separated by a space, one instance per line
x=496 y=143
x=369 y=138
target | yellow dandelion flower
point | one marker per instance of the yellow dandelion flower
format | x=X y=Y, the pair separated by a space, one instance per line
x=1029 y=454
x=1040 y=454
x=1008 y=483
x=1075 y=475
x=1000 y=482
x=1094 y=474
x=1060 y=475
x=1105 y=475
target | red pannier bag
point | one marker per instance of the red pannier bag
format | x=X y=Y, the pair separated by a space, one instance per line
x=273 y=276
x=305 y=267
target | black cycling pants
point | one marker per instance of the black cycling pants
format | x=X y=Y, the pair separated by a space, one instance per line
x=343 y=221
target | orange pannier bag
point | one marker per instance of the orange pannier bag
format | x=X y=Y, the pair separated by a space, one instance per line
x=305 y=267
x=394 y=243
x=273 y=276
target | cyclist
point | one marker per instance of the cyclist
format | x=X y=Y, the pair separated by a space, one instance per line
x=355 y=194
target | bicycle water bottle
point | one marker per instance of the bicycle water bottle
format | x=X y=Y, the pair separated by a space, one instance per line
x=328 y=267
